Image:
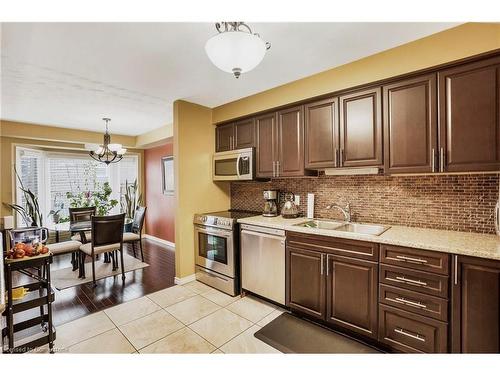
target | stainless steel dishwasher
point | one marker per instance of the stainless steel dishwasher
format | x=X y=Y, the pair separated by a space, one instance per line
x=263 y=262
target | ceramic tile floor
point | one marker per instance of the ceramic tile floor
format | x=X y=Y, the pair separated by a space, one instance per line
x=192 y=318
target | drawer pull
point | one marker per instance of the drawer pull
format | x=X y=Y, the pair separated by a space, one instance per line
x=410 y=259
x=410 y=303
x=415 y=336
x=410 y=281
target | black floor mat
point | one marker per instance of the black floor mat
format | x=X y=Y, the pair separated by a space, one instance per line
x=291 y=334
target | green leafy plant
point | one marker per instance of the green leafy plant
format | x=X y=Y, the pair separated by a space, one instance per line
x=131 y=199
x=30 y=212
x=56 y=218
x=98 y=198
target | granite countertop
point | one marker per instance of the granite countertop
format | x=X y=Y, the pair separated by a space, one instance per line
x=461 y=243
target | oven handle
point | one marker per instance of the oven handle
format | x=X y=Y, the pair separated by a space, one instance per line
x=222 y=233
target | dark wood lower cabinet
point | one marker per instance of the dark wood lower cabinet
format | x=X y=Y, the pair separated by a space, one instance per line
x=352 y=294
x=305 y=282
x=475 y=306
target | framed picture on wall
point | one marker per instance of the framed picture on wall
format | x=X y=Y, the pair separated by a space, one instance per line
x=167 y=171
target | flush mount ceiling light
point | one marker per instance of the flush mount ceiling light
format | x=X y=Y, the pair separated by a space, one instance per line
x=236 y=49
x=107 y=152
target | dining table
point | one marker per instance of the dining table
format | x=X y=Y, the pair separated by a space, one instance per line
x=78 y=227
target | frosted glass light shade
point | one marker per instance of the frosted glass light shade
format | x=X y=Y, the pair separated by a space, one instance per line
x=91 y=146
x=235 y=51
x=99 y=151
x=121 y=151
x=115 y=147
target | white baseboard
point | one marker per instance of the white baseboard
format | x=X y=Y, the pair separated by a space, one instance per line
x=159 y=240
x=184 y=280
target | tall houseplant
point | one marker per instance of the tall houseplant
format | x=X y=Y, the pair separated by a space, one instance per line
x=98 y=198
x=131 y=199
x=30 y=211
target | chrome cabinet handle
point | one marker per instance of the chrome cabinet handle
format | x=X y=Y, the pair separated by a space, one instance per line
x=433 y=161
x=278 y=168
x=327 y=265
x=415 y=336
x=455 y=276
x=274 y=169
x=410 y=303
x=410 y=281
x=335 y=161
x=410 y=259
x=341 y=162
x=441 y=160
x=322 y=264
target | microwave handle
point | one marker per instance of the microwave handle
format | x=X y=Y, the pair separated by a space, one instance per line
x=238 y=166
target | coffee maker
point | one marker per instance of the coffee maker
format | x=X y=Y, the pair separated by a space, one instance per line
x=271 y=203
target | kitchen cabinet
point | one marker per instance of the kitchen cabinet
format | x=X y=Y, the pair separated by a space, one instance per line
x=361 y=128
x=224 y=136
x=469 y=107
x=266 y=152
x=290 y=142
x=305 y=281
x=351 y=290
x=475 y=305
x=321 y=134
x=235 y=136
x=410 y=125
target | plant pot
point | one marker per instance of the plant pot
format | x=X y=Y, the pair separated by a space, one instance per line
x=127 y=227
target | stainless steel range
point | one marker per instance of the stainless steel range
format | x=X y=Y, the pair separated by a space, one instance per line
x=216 y=243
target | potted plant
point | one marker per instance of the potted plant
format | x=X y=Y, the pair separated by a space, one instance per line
x=130 y=201
x=98 y=198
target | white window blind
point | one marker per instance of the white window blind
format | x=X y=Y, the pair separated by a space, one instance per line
x=51 y=175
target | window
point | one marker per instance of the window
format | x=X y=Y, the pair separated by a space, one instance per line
x=52 y=175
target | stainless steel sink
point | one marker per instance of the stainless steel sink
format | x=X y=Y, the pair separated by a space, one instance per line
x=321 y=224
x=372 y=229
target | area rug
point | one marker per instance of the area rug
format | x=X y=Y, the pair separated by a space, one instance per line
x=66 y=278
x=291 y=334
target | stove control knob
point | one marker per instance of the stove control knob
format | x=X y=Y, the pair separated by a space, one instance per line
x=203 y=219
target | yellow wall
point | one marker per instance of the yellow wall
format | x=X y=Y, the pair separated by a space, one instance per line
x=452 y=44
x=7 y=158
x=155 y=137
x=195 y=190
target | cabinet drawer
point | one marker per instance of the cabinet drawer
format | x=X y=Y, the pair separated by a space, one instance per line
x=418 y=281
x=332 y=245
x=419 y=303
x=423 y=260
x=411 y=333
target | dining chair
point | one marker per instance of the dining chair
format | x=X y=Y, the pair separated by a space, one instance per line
x=136 y=234
x=79 y=214
x=107 y=237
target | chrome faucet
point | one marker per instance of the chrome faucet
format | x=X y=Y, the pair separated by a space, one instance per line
x=345 y=211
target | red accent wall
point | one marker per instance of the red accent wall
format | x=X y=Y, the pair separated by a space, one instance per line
x=160 y=215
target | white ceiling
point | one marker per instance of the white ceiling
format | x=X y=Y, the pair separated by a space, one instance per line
x=73 y=74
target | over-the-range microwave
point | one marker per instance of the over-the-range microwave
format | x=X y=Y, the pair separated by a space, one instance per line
x=234 y=165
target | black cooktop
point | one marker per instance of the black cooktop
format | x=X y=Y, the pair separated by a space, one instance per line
x=233 y=214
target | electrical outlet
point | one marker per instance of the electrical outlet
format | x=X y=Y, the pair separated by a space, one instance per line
x=297 y=200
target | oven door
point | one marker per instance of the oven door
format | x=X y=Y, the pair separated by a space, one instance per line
x=214 y=249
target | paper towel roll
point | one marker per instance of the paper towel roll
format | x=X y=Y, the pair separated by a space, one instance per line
x=310 y=205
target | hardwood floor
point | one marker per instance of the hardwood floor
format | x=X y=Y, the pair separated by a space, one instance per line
x=81 y=300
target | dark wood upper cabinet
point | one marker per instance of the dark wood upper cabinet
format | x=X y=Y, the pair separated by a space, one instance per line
x=410 y=125
x=351 y=290
x=361 y=128
x=266 y=145
x=291 y=142
x=305 y=281
x=469 y=105
x=321 y=134
x=224 y=136
x=475 y=306
x=244 y=134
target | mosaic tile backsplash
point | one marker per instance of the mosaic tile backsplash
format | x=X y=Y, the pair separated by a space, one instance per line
x=451 y=202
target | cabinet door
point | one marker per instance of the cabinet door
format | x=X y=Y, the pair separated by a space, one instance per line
x=266 y=145
x=291 y=142
x=469 y=105
x=361 y=129
x=305 y=281
x=475 y=306
x=244 y=134
x=351 y=291
x=410 y=125
x=224 y=137
x=321 y=134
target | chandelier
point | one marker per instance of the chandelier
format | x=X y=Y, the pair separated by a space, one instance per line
x=107 y=152
x=236 y=49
